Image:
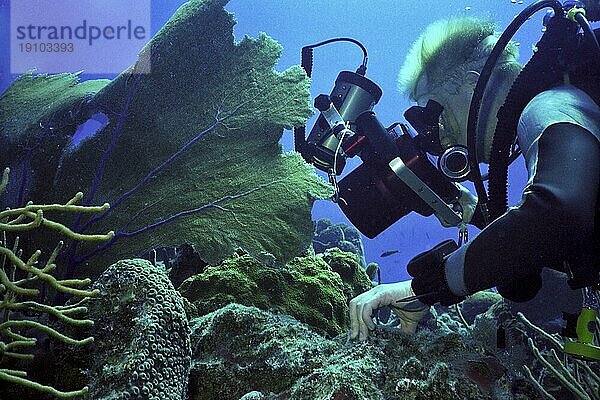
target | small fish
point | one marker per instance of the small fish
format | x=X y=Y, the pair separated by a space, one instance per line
x=389 y=253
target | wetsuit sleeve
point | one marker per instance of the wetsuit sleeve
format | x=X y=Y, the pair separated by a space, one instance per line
x=554 y=221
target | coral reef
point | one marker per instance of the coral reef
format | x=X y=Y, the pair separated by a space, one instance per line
x=355 y=279
x=245 y=352
x=478 y=304
x=372 y=271
x=190 y=160
x=21 y=283
x=238 y=349
x=352 y=373
x=529 y=354
x=307 y=288
x=437 y=364
x=204 y=130
x=142 y=335
x=436 y=383
x=576 y=377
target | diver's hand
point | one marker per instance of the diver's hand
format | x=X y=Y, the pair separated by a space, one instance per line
x=468 y=204
x=363 y=305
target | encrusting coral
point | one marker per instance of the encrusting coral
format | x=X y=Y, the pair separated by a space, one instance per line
x=314 y=289
x=19 y=277
x=239 y=348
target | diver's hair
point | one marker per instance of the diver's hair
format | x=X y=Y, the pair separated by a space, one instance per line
x=445 y=46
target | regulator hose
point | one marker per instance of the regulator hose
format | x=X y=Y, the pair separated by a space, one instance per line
x=479 y=90
x=542 y=72
x=588 y=32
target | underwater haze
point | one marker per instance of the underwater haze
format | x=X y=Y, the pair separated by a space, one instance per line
x=160 y=237
x=386 y=28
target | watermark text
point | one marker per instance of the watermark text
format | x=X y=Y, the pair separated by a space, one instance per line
x=94 y=36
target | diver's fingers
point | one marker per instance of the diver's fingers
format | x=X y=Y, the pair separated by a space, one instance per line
x=362 y=326
x=365 y=322
x=367 y=311
x=409 y=327
x=353 y=319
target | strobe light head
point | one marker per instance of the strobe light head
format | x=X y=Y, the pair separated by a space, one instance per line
x=352 y=95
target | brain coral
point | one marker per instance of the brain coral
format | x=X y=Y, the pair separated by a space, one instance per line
x=142 y=336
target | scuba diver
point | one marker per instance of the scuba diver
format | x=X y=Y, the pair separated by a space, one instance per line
x=476 y=103
x=554 y=224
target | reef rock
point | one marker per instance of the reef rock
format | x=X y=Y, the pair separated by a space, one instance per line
x=354 y=372
x=478 y=304
x=141 y=335
x=242 y=352
x=307 y=288
x=240 y=349
x=440 y=365
x=346 y=264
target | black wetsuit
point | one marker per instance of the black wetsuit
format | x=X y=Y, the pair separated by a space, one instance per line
x=557 y=219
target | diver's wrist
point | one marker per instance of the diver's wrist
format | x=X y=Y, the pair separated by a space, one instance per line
x=454 y=271
x=413 y=305
x=429 y=275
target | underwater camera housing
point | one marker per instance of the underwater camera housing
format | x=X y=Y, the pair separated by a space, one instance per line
x=395 y=178
x=396 y=175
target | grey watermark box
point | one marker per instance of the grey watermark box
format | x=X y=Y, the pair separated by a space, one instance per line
x=94 y=36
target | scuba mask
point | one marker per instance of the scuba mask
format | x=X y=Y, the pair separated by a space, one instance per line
x=453 y=161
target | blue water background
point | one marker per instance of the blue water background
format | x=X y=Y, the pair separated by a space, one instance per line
x=387 y=29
